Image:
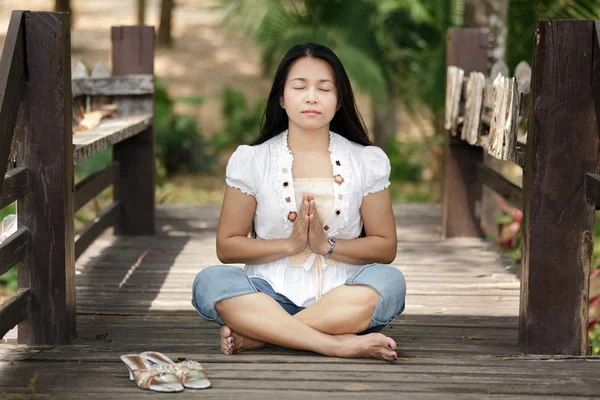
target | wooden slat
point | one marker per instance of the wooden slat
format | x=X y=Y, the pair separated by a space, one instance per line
x=120 y=85
x=520 y=154
x=93 y=229
x=12 y=82
x=473 y=107
x=558 y=233
x=92 y=185
x=454 y=86
x=13 y=249
x=499 y=184
x=504 y=127
x=108 y=133
x=16 y=185
x=14 y=310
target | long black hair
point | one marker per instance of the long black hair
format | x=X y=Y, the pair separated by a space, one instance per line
x=347 y=121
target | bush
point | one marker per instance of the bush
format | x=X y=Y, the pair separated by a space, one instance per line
x=401 y=156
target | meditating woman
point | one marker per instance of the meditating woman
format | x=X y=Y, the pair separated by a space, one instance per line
x=307 y=209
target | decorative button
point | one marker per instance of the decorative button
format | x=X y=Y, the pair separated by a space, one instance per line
x=326 y=227
x=292 y=215
x=338 y=163
x=285 y=184
x=340 y=196
x=288 y=199
x=337 y=212
x=284 y=170
x=338 y=179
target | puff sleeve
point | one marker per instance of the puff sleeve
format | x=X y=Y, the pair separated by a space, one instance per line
x=375 y=170
x=241 y=172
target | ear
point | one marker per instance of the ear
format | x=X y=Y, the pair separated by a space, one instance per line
x=281 y=102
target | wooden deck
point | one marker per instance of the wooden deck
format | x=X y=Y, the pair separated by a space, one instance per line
x=457 y=338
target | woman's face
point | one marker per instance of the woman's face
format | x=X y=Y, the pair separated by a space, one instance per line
x=310 y=96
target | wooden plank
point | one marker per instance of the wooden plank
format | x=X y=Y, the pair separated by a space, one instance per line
x=504 y=128
x=108 y=133
x=12 y=82
x=473 y=107
x=592 y=188
x=123 y=85
x=520 y=154
x=93 y=229
x=558 y=230
x=94 y=184
x=14 y=310
x=45 y=148
x=454 y=85
x=466 y=49
x=133 y=53
x=16 y=185
x=502 y=186
x=13 y=249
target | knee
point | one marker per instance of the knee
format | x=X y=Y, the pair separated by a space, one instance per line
x=391 y=286
x=210 y=278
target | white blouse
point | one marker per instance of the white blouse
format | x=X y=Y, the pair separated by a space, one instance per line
x=265 y=172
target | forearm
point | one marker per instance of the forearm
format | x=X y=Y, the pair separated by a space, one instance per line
x=365 y=250
x=245 y=250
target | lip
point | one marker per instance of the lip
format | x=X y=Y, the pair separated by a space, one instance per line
x=311 y=112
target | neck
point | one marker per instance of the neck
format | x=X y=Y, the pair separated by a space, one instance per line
x=300 y=139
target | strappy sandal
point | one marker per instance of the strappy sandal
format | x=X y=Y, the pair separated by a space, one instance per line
x=158 y=378
x=191 y=373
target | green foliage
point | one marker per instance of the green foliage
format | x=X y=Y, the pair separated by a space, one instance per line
x=180 y=146
x=402 y=159
x=242 y=122
x=594 y=340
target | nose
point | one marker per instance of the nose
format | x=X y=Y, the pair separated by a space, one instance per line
x=311 y=98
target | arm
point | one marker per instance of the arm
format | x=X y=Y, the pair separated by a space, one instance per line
x=233 y=243
x=380 y=244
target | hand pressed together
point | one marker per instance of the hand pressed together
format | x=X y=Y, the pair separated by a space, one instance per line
x=308 y=229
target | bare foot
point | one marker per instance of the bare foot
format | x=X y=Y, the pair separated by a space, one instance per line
x=373 y=345
x=232 y=343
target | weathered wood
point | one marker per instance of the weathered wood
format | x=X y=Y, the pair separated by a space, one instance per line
x=499 y=184
x=45 y=148
x=520 y=154
x=12 y=81
x=504 y=126
x=454 y=85
x=16 y=185
x=133 y=53
x=498 y=69
x=592 y=188
x=114 y=86
x=79 y=71
x=108 y=133
x=100 y=70
x=15 y=310
x=94 y=184
x=13 y=249
x=558 y=221
x=466 y=49
x=473 y=107
x=93 y=229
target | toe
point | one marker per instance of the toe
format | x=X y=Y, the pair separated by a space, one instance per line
x=391 y=343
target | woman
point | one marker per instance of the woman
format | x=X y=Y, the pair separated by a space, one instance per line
x=307 y=188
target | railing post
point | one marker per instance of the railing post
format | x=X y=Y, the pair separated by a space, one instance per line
x=45 y=147
x=133 y=53
x=466 y=49
x=558 y=234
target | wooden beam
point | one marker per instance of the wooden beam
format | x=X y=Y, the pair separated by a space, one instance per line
x=13 y=249
x=124 y=85
x=93 y=229
x=46 y=149
x=15 y=310
x=592 y=188
x=16 y=185
x=12 y=81
x=468 y=50
x=512 y=193
x=133 y=53
x=92 y=185
x=558 y=234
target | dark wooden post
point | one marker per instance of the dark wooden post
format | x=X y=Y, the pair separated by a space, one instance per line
x=46 y=149
x=466 y=49
x=558 y=229
x=133 y=53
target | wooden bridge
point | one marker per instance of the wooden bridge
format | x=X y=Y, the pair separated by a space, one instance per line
x=472 y=328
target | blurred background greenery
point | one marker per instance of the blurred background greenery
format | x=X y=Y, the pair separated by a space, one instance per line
x=215 y=59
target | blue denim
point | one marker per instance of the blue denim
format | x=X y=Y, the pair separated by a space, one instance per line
x=221 y=282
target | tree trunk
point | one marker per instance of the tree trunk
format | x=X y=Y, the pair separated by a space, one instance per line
x=64 y=6
x=384 y=121
x=164 y=29
x=141 y=12
x=490 y=14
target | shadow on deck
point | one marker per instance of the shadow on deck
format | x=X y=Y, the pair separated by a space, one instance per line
x=457 y=338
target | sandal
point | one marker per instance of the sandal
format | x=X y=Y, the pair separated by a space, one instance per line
x=191 y=373
x=158 y=378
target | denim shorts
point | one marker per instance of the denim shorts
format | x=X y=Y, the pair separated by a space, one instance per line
x=221 y=282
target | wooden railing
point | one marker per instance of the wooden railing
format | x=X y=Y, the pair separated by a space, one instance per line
x=561 y=185
x=37 y=97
